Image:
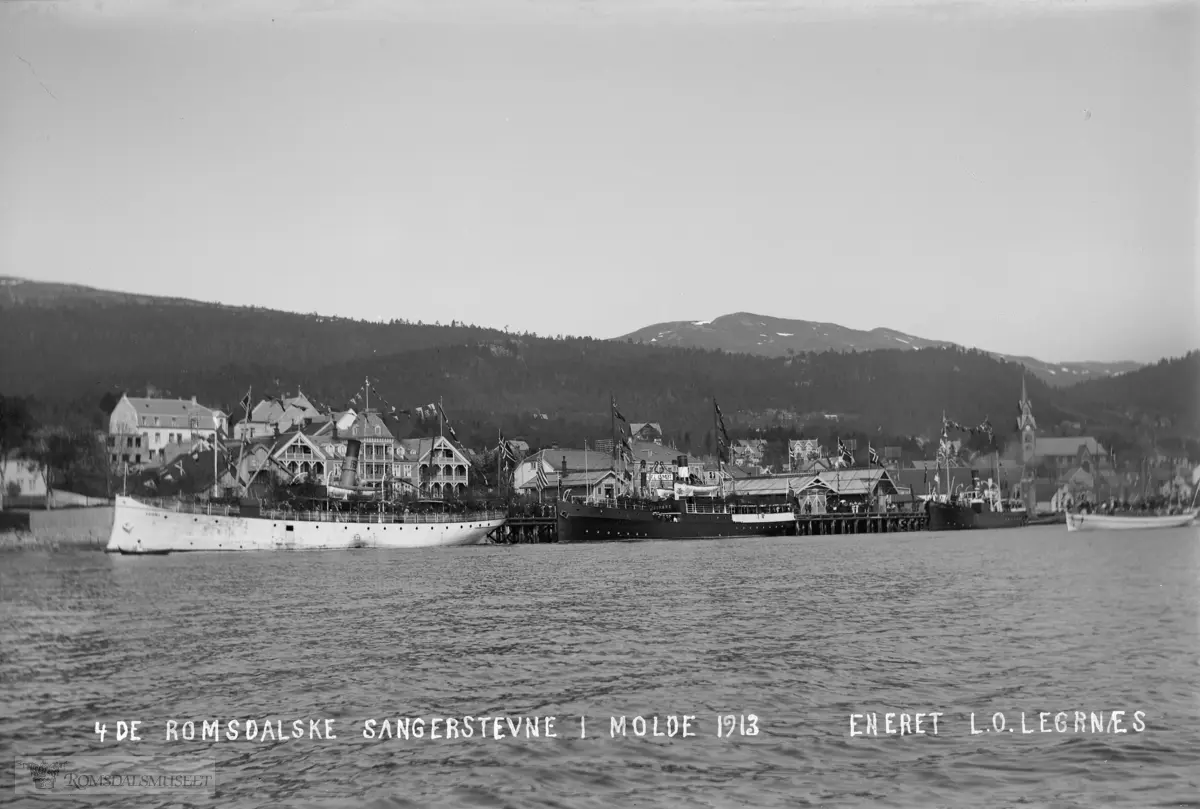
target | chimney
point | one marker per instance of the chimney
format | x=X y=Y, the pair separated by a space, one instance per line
x=194 y=400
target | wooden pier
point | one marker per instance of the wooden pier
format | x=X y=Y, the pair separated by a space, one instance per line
x=526 y=529
x=531 y=529
x=867 y=523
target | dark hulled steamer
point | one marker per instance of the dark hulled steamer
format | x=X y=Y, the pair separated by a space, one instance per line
x=973 y=513
x=685 y=510
x=980 y=508
x=681 y=518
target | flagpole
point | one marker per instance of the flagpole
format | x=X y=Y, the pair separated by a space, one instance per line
x=612 y=417
x=499 y=457
x=216 y=483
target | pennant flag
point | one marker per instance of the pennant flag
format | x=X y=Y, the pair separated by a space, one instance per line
x=246 y=403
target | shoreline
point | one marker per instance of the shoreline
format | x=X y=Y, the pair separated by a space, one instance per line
x=85 y=527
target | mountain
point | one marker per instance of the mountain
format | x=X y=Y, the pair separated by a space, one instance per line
x=75 y=350
x=746 y=333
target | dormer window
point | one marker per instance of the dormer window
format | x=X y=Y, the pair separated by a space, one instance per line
x=377 y=431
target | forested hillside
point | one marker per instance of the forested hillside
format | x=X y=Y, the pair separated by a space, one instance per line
x=76 y=353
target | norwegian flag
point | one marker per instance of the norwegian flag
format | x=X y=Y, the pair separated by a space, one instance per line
x=844 y=455
x=874 y=456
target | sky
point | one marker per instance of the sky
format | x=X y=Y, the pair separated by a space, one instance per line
x=1019 y=177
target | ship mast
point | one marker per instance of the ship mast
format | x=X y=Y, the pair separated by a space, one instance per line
x=717 y=446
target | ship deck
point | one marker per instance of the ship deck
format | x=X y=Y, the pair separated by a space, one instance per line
x=291 y=515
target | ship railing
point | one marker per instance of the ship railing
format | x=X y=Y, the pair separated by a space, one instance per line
x=706 y=508
x=387 y=519
x=167 y=504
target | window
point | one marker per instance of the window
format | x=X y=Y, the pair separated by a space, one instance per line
x=156 y=421
x=377 y=431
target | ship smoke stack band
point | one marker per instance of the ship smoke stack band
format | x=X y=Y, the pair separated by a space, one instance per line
x=350 y=465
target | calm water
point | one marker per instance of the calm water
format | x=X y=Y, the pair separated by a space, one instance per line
x=801 y=632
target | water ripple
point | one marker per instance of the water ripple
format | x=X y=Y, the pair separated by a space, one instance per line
x=801 y=632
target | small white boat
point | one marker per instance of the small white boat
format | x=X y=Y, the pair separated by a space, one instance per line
x=141 y=527
x=1128 y=522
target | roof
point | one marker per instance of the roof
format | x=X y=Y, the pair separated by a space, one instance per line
x=920 y=480
x=589 y=478
x=577 y=459
x=355 y=425
x=845 y=482
x=178 y=411
x=934 y=465
x=636 y=427
x=857 y=481
x=769 y=486
x=650 y=452
x=1066 y=446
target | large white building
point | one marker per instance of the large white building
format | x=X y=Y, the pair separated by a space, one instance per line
x=159 y=424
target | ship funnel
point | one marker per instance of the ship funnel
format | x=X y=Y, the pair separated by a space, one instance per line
x=682 y=463
x=350 y=464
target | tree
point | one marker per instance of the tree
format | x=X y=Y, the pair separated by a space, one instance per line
x=57 y=452
x=17 y=426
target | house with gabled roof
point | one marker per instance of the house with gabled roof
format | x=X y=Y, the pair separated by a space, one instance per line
x=649 y=431
x=278 y=414
x=376 y=446
x=159 y=423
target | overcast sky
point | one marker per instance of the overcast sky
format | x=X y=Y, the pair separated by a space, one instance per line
x=1020 y=181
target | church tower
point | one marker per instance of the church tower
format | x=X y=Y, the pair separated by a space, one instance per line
x=1028 y=427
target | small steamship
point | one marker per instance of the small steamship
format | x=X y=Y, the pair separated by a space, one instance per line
x=159 y=526
x=983 y=506
x=686 y=510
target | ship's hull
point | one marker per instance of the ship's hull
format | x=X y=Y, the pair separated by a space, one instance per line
x=947 y=517
x=578 y=522
x=1127 y=522
x=141 y=528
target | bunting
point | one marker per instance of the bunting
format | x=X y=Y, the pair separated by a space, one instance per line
x=723 y=442
x=446 y=422
x=983 y=428
x=945 y=448
x=721 y=423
